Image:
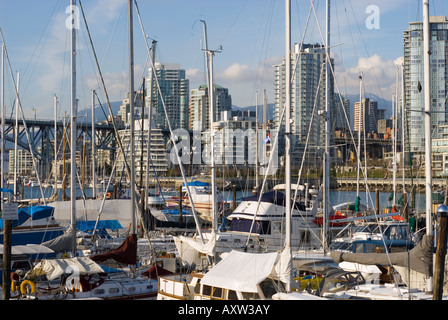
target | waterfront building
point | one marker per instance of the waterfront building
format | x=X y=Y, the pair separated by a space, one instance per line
x=174 y=89
x=308 y=88
x=158 y=152
x=199 y=106
x=124 y=111
x=414 y=87
x=24 y=162
x=365 y=116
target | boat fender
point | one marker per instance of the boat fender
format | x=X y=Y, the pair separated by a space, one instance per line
x=14 y=286
x=25 y=284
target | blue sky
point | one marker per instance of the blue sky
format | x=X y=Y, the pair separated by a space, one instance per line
x=251 y=33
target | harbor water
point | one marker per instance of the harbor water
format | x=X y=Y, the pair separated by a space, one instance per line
x=336 y=197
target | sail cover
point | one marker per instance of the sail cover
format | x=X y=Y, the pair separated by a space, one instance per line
x=184 y=243
x=55 y=268
x=419 y=259
x=125 y=253
x=241 y=271
x=64 y=242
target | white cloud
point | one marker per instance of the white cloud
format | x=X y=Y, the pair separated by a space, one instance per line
x=117 y=83
x=236 y=72
x=379 y=76
x=102 y=12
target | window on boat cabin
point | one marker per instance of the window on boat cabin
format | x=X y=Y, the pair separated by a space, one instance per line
x=114 y=290
x=206 y=290
x=244 y=225
x=269 y=288
x=231 y=295
x=217 y=293
x=276 y=227
x=364 y=247
x=251 y=296
x=398 y=232
x=99 y=291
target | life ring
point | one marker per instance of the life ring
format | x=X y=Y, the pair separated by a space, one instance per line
x=338 y=213
x=108 y=195
x=25 y=284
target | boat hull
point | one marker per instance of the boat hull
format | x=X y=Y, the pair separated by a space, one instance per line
x=33 y=236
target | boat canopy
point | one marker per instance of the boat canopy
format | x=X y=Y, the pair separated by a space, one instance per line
x=243 y=271
x=54 y=268
x=28 y=249
x=419 y=259
x=34 y=213
x=102 y=224
x=197 y=183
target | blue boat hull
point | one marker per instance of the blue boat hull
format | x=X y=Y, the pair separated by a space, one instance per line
x=33 y=236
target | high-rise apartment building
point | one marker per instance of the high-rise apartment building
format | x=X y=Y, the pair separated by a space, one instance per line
x=365 y=116
x=308 y=95
x=199 y=106
x=124 y=111
x=158 y=162
x=174 y=88
x=414 y=81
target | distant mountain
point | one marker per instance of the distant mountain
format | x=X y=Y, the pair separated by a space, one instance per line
x=101 y=112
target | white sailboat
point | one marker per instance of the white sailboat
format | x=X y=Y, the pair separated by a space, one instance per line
x=414 y=267
x=91 y=280
x=243 y=275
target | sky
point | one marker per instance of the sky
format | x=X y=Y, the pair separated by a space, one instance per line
x=366 y=36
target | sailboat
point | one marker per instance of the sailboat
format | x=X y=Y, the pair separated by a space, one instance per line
x=90 y=280
x=35 y=224
x=416 y=266
x=202 y=198
x=240 y=274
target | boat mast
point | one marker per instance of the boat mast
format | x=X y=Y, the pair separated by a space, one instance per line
x=73 y=122
x=403 y=113
x=360 y=113
x=394 y=144
x=2 y=106
x=427 y=121
x=16 y=137
x=55 y=167
x=150 y=106
x=255 y=189
x=93 y=147
x=326 y=189
x=288 y=132
x=211 y=103
x=131 y=112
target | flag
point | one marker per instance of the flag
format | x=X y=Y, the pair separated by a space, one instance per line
x=268 y=138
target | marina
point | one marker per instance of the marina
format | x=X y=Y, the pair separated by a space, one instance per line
x=178 y=195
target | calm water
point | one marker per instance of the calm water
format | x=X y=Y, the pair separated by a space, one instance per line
x=335 y=196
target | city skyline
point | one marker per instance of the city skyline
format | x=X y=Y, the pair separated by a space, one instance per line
x=366 y=37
